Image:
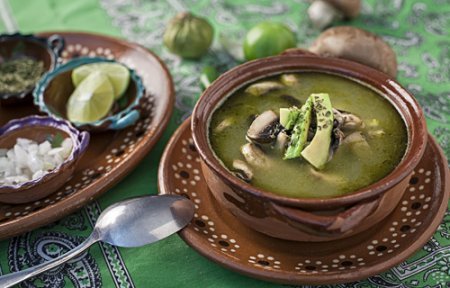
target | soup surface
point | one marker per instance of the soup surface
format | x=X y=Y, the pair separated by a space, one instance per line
x=351 y=167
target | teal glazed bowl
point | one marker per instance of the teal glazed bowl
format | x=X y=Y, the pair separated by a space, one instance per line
x=54 y=89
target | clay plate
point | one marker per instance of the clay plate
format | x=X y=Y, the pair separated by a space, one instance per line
x=217 y=235
x=110 y=155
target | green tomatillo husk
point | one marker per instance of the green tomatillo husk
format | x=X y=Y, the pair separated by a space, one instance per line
x=188 y=36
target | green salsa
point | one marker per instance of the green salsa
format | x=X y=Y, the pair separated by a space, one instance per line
x=351 y=167
x=19 y=74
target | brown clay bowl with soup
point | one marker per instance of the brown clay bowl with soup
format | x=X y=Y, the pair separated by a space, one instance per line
x=368 y=162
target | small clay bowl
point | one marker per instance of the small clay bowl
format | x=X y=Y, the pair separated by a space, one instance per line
x=306 y=219
x=39 y=129
x=53 y=91
x=13 y=46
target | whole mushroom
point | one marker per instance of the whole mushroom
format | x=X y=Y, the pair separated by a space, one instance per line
x=356 y=45
x=323 y=12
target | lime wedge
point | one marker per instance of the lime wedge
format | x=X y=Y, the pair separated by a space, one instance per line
x=118 y=75
x=92 y=99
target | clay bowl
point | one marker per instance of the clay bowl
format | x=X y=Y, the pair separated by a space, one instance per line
x=39 y=129
x=54 y=89
x=306 y=219
x=13 y=46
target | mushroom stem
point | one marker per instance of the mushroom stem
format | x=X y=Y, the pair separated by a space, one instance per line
x=322 y=14
x=282 y=141
x=254 y=155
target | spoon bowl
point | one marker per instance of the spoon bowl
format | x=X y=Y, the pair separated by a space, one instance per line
x=130 y=223
x=126 y=224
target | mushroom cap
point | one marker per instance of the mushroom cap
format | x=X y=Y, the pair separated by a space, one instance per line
x=356 y=45
x=350 y=8
x=264 y=128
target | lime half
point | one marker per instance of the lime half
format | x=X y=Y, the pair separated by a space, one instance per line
x=118 y=75
x=92 y=99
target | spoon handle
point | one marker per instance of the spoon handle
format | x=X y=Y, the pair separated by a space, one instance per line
x=9 y=280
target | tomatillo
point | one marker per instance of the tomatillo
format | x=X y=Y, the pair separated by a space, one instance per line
x=268 y=39
x=188 y=36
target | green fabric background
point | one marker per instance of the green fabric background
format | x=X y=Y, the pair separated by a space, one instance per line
x=419 y=32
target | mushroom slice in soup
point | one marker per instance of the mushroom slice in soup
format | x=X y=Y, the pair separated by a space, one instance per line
x=254 y=155
x=290 y=79
x=261 y=88
x=224 y=124
x=355 y=137
x=265 y=128
x=358 y=144
x=242 y=170
x=282 y=141
x=347 y=120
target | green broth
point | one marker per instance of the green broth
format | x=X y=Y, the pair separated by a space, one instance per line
x=349 y=170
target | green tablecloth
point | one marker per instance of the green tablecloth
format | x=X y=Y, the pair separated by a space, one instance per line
x=419 y=32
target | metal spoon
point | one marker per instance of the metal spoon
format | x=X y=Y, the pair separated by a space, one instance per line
x=130 y=223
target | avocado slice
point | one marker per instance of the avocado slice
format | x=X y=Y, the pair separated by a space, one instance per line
x=288 y=117
x=300 y=131
x=316 y=153
x=284 y=116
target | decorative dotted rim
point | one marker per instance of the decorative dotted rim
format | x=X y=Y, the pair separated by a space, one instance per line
x=392 y=241
x=124 y=153
x=121 y=151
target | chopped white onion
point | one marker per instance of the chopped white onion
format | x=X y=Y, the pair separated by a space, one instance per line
x=3 y=152
x=29 y=160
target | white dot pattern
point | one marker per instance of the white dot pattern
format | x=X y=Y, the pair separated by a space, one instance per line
x=391 y=241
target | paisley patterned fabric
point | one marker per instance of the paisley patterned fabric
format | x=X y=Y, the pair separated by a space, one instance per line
x=419 y=32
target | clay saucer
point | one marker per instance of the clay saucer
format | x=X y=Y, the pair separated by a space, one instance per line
x=110 y=155
x=217 y=235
